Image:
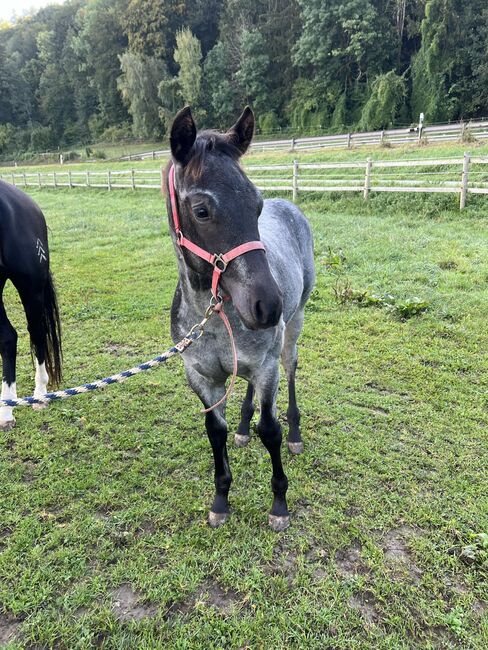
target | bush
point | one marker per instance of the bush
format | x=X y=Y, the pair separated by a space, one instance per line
x=100 y=154
x=7 y=138
x=42 y=138
x=116 y=133
x=268 y=122
x=71 y=155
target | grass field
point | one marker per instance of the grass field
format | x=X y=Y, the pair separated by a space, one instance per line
x=103 y=534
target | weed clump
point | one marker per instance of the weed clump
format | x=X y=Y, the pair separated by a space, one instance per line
x=402 y=309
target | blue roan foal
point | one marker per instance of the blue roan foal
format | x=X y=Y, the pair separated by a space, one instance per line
x=219 y=209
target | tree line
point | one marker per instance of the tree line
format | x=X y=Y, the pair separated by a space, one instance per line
x=92 y=70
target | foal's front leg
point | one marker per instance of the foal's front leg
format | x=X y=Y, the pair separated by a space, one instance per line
x=216 y=426
x=269 y=430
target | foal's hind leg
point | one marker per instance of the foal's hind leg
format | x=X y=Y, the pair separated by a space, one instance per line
x=8 y=351
x=289 y=357
x=269 y=431
x=247 y=411
x=216 y=426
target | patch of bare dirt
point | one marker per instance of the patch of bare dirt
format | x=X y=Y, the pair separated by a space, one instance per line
x=319 y=558
x=366 y=604
x=9 y=628
x=128 y=605
x=398 y=555
x=284 y=563
x=210 y=594
x=118 y=349
x=349 y=562
x=376 y=410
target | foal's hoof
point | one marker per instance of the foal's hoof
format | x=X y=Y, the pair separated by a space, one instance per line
x=279 y=523
x=39 y=407
x=216 y=519
x=295 y=447
x=7 y=425
x=240 y=440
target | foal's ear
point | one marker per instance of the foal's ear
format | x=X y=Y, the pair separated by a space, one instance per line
x=241 y=133
x=183 y=134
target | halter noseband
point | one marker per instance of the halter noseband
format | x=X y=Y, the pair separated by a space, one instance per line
x=219 y=261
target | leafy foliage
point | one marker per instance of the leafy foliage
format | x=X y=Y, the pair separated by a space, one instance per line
x=306 y=64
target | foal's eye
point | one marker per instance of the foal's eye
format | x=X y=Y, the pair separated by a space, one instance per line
x=200 y=212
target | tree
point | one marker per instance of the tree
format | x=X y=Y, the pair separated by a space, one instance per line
x=220 y=94
x=138 y=85
x=99 y=41
x=251 y=75
x=387 y=95
x=188 y=56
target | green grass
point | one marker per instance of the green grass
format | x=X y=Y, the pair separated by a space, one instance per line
x=104 y=497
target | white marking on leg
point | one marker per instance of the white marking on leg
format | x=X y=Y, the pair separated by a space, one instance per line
x=9 y=391
x=42 y=379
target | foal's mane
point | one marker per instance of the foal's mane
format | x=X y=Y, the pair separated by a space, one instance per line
x=206 y=142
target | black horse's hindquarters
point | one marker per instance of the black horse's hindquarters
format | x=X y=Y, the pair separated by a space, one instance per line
x=24 y=259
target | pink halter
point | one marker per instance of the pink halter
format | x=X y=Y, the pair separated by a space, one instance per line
x=219 y=261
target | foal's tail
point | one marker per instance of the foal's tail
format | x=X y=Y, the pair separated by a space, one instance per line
x=52 y=328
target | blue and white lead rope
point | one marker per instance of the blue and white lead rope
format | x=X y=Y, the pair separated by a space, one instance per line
x=180 y=347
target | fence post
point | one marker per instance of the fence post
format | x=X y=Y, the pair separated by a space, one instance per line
x=13 y=179
x=133 y=179
x=25 y=180
x=153 y=155
x=420 y=126
x=87 y=178
x=39 y=179
x=382 y=138
x=348 y=140
x=109 y=180
x=69 y=179
x=464 y=181
x=295 y=180
x=367 y=179
x=54 y=180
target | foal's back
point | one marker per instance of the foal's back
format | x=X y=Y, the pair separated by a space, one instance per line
x=286 y=234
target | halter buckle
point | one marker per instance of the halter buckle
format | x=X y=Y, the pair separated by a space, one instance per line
x=219 y=262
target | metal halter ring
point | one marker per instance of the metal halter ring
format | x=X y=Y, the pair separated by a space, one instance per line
x=220 y=258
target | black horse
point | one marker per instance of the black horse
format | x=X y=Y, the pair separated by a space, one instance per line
x=24 y=259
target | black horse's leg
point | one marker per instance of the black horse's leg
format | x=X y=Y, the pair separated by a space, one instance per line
x=241 y=438
x=269 y=431
x=8 y=351
x=32 y=297
x=216 y=427
x=289 y=357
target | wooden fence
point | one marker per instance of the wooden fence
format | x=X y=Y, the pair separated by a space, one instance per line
x=462 y=176
x=458 y=131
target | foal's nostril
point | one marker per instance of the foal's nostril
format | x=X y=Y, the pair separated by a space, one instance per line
x=267 y=314
x=259 y=312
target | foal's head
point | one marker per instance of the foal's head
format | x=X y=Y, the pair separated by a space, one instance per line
x=219 y=209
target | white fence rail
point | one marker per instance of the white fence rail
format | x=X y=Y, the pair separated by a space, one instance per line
x=463 y=131
x=462 y=176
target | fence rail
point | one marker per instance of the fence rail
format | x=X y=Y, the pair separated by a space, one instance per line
x=462 y=176
x=463 y=131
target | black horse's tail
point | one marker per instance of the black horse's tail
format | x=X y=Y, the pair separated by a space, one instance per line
x=53 y=354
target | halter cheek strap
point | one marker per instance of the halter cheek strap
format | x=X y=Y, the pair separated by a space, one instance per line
x=219 y=261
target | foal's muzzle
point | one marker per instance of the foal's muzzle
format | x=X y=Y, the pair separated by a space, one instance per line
x=254 y=292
